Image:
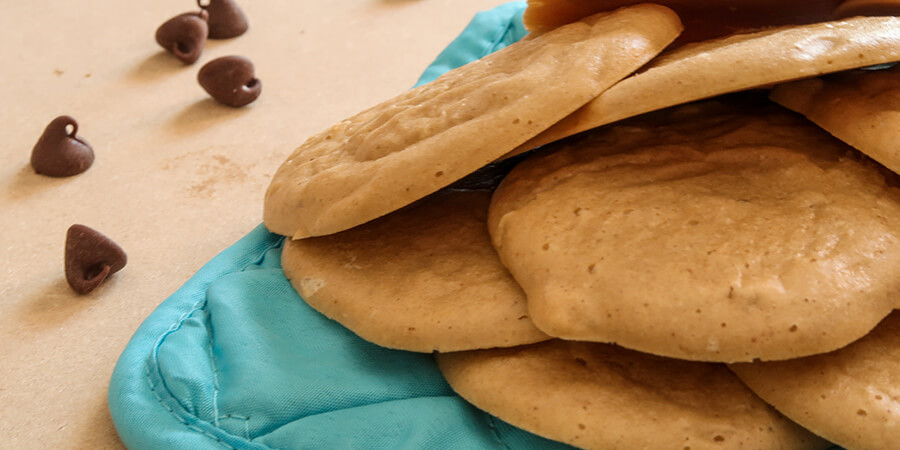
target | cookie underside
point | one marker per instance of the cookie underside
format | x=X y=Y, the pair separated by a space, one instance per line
x=861 y=108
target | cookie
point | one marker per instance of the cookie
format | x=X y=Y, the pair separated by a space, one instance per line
x=862 y=108
x=418 y=142
x=606 y=397
x=850 y=8
x=848 y=396
x=423 y=278
x=715 y=232
x=702 y=19
x=732 y=64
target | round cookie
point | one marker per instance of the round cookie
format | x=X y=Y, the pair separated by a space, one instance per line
x=848 y=396
x=418 y=142
x=850 y=8
x=423 y=278
x=736 y=63
x=606 y=397
x=861 y=108
x=703 y=19
x=716 y=232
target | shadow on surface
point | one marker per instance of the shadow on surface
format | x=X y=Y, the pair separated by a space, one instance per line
x=204 y=114
x=26 y=182
x=156 y=66
x=56 y=303
x=100 y=431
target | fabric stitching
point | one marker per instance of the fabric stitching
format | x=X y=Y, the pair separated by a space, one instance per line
x=212 y=362
x=348 y=409
x=201 y=306
x=176 y=415
x=496 y=434
x=246 y=423
x=498 y=39
x=275 y=245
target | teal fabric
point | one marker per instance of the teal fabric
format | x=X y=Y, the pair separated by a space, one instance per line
x=236 y=359
x=488 y=32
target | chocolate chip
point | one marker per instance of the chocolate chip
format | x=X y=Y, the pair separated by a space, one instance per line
x=184 y=35
x=90 y=258
x=59 y=153
x=226 y=19
x=230 y=80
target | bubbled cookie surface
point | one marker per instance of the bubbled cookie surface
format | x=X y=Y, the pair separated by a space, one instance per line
x=414 y=144
x=423 y=278
x=848 y=396
x=602 y=396
x=706 y=69
x=714 y=232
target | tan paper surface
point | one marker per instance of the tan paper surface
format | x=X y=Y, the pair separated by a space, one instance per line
x=177 y=177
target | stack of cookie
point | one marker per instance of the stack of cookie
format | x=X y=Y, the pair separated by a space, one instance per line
x=639 y=279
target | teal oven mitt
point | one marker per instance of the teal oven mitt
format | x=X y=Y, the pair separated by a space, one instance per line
x=236 y=359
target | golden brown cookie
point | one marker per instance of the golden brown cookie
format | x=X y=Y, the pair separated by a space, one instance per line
x=862 y=108
x=703 y=19
x=713 y=232
x=850 y=8
x=418 y=142
x=732 y=64
x=606 y=397
x=849 y=396
x=423 y=278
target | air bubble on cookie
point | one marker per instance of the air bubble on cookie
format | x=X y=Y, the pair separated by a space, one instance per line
x=310 y=286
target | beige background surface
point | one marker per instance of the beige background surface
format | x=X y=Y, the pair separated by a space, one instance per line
x=177 y=177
